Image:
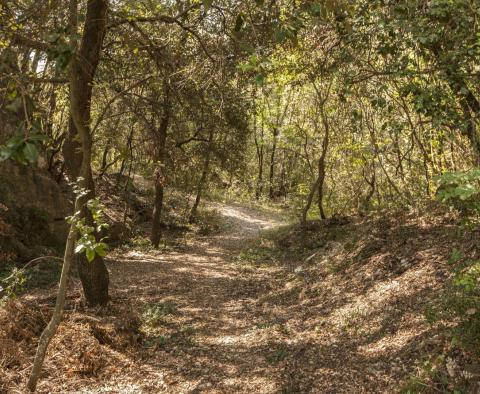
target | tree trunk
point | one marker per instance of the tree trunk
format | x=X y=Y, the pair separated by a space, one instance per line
x=308 y=204
x=94 y=275
x=259 y=149
x=272 y=163
x=259 y=144
x=52 y=326
x=259 y=188
x=321 y=181
x=125 y=159
x=321 y=163
x=106 y=151
x=78 y=145
x=160 y=156
x=203 y=178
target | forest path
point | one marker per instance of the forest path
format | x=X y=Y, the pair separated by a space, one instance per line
x=209 y=334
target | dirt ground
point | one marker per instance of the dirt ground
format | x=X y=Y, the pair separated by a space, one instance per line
x=200 y=319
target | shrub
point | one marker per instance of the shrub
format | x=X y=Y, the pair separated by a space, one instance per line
x=460 y=190
x=459 y=302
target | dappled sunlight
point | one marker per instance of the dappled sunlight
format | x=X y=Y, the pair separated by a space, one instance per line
x=334 y=322
x=391 y=343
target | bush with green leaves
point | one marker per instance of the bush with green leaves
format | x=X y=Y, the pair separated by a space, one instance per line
x=12 y=284
x=463 y=303
x=460 y=190
x=459 y=303
x=156 y=312
x=22 y=148
x=87 y=242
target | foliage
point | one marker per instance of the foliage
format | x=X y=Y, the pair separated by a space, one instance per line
x=87 y=241
x=460 y=303
x=329 y=108
x=22 y=149
x=155 y=313
x=460 y=189
x=14 y=280
x=13 y=284
x=433 y=374
x=257 y=255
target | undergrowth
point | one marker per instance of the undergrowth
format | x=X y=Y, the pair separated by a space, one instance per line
x=15 y=281
x=457 y=308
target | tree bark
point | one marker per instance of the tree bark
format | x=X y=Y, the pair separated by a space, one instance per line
x=78 y=146
x=203 y=178
x=52 y=326
x=308 y=204
x=321 y=162
x=259 y=144
x=259 y=148
x=160 y=156
x=272 y=163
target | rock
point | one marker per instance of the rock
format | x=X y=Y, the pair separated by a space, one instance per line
x=36 y=209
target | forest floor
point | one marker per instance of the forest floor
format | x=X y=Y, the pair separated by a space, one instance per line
x=256 y=307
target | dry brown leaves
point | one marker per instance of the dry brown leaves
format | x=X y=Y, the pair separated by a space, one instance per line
x=347 y=318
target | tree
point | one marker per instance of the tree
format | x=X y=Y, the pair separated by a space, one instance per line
x=94 y=274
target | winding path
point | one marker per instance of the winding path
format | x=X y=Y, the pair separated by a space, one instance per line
x=214 y=343
x=260 y=325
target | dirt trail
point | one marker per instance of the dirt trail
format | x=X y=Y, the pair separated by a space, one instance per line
x=213 y=343
x=279 y=326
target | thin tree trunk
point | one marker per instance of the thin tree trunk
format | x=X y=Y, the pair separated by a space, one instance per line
x=127 y=190
x=52 y=326
x=322 y=100
x=260 y=153
x=321 y=170
x=321 y=179
x=106 y=151
x=161 y=138
x=125 y=157
x=308 y=204
x=81 y=77
x=203 y=178
x=272 y=163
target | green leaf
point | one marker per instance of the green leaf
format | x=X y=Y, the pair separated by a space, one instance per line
x=456 y=255
x=5 y=153
x=90 y=253
x=37 y=137
x=30 y=152
x=15 y=141
x=260 y=79
x=207 y=4
x=101 y=249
